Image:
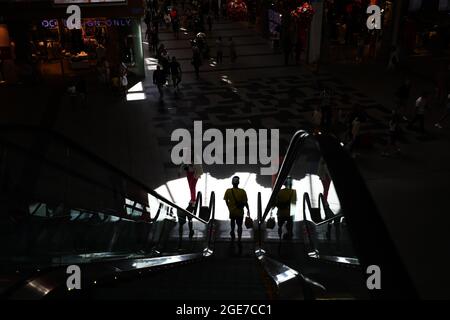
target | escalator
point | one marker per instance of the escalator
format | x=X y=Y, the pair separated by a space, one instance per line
x=62 y=205
x=338 y=235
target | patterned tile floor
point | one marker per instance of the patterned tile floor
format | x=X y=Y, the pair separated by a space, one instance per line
x=257 y=91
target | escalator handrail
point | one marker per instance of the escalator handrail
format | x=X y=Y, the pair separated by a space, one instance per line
x=307 y=204
x=372 y=241
x=95 y=158
x=212 y=210
x=284 y=170
x=336 y=217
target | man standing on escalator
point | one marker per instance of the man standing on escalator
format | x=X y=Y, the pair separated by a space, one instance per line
x=236 y=200
x=286 y=198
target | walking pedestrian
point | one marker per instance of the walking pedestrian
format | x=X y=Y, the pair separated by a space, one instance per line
x=159 y=79
x=176 y=27
x=325 y=107
x=219 y=50
x=193 y=173
x=167 y=20
x=175 y=71
x=445 y=115
x=287 y=49
x=421 y=105
x=232 y=46
x=298 y=51
x=123 y=85
x=196 y=60
x=402 y=95
x=394 y=128
x=354 y=138
x=154 y=40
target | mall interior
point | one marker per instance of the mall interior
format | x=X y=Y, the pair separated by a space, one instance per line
x=357 y=120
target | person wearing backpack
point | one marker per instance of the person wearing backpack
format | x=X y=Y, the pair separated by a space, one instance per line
x=285 y=199
x=236 y=200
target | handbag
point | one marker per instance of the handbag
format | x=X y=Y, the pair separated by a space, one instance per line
x=248 y=222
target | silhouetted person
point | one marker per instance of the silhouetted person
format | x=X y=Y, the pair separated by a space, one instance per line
x=193 y=173
x=182 y=221
x=421 y=106
x=236 y=200
x=391 y=146
x=402 y=95
x=287 y=48
x=196 y=60
x=175 y=71
x=159 y=79
x=232 y=46
x=445 y=115
x=325 y=106
x=219 y=50
x=285 y=198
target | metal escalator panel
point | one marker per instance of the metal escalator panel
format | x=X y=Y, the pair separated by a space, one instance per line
x=309 y=208
x=62 y=204
x=326 y=208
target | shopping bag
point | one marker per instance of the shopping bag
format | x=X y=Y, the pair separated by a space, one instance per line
x=270 y=223
x=248 y=222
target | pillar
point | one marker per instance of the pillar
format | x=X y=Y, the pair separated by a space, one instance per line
x=398 y=8
x=315 y=32
x=138 y=49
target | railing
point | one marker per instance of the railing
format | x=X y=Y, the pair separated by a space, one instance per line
x=63 y=204
x=288 y=161
x=72 y=145
x=363 y=234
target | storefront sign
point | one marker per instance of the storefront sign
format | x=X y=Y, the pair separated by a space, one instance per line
x=120 y=22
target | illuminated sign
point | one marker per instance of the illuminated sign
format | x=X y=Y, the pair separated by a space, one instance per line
x=120 y=22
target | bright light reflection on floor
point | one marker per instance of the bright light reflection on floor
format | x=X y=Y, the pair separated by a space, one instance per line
x=178 y=191
x=136 y=96
x=136 y=88
x=151 y=63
